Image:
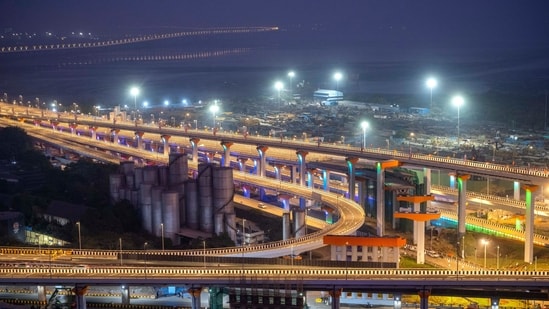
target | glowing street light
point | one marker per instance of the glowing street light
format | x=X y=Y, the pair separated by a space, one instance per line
x=364 y=125
x=485 y=243
x=214 y=109
x=291 y=75
x=458 y=101
x=279 y=86
x=166 y=103
x=162 y=234
x=431 y=83
x=337 y=77
x=134 y=91
x=79 y=236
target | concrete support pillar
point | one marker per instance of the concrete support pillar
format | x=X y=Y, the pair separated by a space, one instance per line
x=80 y=292
x=361 y=193
x=93 y=131
x=195 y=297
x=73 y=128
x=293 y=172
x=194 y=145
x=262 y=151
x=285 y=199
x=114 y=135
x=286 y=226
x=326 y=180
x=335 y=295
x=419 y=222
x=516 y=190
x=424 y=299
x=417 y=227
x=529 y=224
x=54 y=125
x=397 y=301
x=311 y=177
x=41 y=291
x=278 y=171
x=427 y=182
x=165 y=143
x=226 y=160
x=242 y=164
x=125 y=293
x=301 y=155
x=494 y=302
x=380 y=193
x=462 y=200
x=139 y=138
x=351 y=172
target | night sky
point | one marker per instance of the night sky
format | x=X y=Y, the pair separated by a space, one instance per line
x=475 y=23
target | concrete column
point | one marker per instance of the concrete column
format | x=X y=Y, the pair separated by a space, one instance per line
x=194 y=145
x=93 y=131
x=311 y=177
x=351 y=172
x=80 y=292
x=54 y=125
x=361 y=193
x=242 y=164
x=380 y=199
x=417 y=228
x=139 y=138
x=397 y=301
x=195 y=297
x=335 y=295
x=462 y=200
x=516 y=190
x=41 y=291
x=424 y=299
x=226 y=160
x=293 y=172
x=326 y=180
x=73 y=128
x=452 y=181
x=125 y=295
x=262 y=151
x=114 y=135
x=494 y=302
x=427 y=182
x=302 y=165
x=286 y=226
x=165 y=144
x=529 y=224
x=278 y=171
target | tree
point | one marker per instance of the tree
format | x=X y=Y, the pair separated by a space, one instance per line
x=14 y=141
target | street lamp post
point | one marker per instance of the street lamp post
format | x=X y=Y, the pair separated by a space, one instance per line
x=410 y=143
x=431 y=83
x=279 y=86
x=291 y=75
x=364 y=125
x=337 y=77
x=162 y=234
x=458 y=101
x=204 y=252
x=485 y=243
x=145 y=253
x=79 y=236
x=214 y=109
x=134 y=91
x=497 y=258
x=120 y=243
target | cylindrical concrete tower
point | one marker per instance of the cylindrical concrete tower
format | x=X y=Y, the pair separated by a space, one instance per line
x=178 y=168
x=146 y=206
x=223 y=189
x=286 y=226
x=150 y=175
x=205 y=196
x=191 y=203
x=170 y=215
x=156 y=211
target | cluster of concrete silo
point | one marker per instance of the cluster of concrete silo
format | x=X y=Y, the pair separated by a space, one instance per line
x=168 y=200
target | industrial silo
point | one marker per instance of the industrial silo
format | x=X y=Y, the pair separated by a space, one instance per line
x=127 y=167
x=156 y=211
x=223 y=189
x=130 y=182
x=116 y=181
x=178 y=168
x=170 y=215
x=205 y=197
x=150 y=175
x=191 y=203
x=163 y=175
x=138 y=177
x=219 y=223
x=146 y=206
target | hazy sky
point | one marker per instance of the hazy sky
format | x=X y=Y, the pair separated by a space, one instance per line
x=437 y=22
